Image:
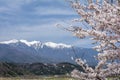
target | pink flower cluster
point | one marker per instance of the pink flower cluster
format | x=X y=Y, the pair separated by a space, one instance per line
x=104 y=29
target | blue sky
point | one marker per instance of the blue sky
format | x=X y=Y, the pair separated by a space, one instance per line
x=36 y=19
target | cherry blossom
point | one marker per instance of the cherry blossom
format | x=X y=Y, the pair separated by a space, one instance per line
x=103 y=19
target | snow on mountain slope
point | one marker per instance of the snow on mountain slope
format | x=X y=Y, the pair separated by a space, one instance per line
x=54 y=45
x=9 y=42
x=37 y=44
x=43 y=52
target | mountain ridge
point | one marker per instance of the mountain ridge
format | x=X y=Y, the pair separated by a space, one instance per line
x=36 y=51
x=31 y=43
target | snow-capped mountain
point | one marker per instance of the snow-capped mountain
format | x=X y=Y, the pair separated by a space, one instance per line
x=36 y=51
x=37 y=44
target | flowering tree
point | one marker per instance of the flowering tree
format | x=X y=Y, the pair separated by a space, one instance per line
x=103 y=18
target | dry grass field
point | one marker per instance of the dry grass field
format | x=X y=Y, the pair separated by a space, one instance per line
x=38 y=78
x=47 y=78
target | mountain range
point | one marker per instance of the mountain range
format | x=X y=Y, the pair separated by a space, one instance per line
x=23 y=51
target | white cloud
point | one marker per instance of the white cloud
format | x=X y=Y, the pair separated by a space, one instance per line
x=32 y=23
x=10 y=6
x=3 y=9
x=53 y=11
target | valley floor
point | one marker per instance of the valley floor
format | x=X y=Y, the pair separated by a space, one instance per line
x=47 y=78
x=38 y=78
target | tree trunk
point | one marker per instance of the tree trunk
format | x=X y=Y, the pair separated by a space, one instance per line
x=119 y=6
x=118 y=2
